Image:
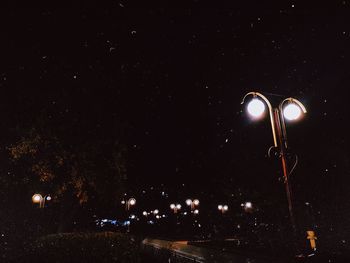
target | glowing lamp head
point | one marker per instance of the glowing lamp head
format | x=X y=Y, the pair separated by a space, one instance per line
x=144 y=213
x=219 y=207
x=178 y=206
x=225 y=207
x=188 y=202
x=172 y=206
x=256 y=108
x=48 y=198
x=132 y=201
x=196 y=212
x=292 y=112
x=156 y=211
x=196 y=202
x=36 y=198
x=248 y=205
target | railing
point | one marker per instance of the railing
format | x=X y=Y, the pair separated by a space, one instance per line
x=162 y=254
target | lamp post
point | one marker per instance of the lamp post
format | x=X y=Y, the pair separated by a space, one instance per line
x=128 y=203
x=292 y=111
x=39 y=199
x=247 y=206
x=192 y=203
x=175 y=207
x=223 y=208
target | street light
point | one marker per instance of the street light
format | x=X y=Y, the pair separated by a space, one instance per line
x=39 y=199
x=292 y=111
x=175 y=207
x=248 y=206
x=128 y=203
x=192 y=203
x=223 y=208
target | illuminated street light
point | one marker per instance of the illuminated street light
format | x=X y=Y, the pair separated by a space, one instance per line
x=175 y=207
x=132 y=201
x=292 y=111
x=36 y=198
x=128 y=203
x=223 y=208
x=256 y=108
x=196 y=212
x=248 y=205
x=156 y=211
x=192 y=203
x=132 y=216
x=39 y=199
x=144 y=213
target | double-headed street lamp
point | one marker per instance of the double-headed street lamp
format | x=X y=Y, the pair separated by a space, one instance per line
x=39 y=199
x=290 y=109
x=223 y=208
x=175 y=207
x=128 y=203
x=192 y=203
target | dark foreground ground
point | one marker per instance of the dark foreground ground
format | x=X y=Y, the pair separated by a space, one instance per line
x=126 y=248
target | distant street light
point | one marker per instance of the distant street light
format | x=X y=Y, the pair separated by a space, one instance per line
x=292 y=111
x=39 y=199
x=175 y=207
x=128 y=203
x=223 y=208
x=192 y=203
x=248 y=206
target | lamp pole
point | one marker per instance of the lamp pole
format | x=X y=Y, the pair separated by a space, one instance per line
x=37 y=198
x=279 y=134
x=192 y=203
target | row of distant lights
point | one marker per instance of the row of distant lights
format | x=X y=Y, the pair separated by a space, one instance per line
x=192 y=203
x=37 y=198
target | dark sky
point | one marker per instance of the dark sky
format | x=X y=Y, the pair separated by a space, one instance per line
x=177 y=76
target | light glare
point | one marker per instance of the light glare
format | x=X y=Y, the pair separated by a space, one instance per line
x=248 y=205
x=36 y=198
x=132 y=201
x=292 y=112
x=256 y=108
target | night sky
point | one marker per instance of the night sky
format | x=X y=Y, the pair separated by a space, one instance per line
x=176 y=78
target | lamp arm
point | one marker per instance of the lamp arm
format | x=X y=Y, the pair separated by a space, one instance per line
x=272 y=120
x=284 y=131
